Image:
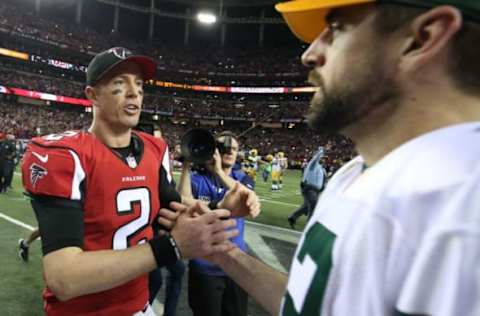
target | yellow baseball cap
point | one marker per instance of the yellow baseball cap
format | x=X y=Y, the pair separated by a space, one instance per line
x=306 y=18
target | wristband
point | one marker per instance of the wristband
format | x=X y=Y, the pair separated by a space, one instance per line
x=165 y=250
x=175 y=247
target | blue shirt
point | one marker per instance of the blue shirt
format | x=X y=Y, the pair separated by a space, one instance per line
x=314 y=174
x=207 y=187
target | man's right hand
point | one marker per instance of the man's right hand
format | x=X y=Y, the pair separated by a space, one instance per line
x=205 y=234
x=215 y=164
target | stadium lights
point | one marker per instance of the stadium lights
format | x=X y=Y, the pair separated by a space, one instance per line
x=206 y=18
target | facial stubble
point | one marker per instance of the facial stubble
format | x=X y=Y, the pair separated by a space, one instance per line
x=365 y=88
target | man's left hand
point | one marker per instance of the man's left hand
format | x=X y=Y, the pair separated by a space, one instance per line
x=241 y=202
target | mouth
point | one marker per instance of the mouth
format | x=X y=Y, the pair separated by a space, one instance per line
x=315 y=79
x=131 y=109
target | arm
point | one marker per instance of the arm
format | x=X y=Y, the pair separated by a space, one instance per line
x=226 y=180
x=66 y=265
x=215 y=167
x=168 y=193
x=110 y=268
x=266 y=285
x=184 y=184
x=239 y=199
x=68 y=268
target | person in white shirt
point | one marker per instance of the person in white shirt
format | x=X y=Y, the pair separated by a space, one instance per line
x=397 y=230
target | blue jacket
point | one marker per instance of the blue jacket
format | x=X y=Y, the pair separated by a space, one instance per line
x=207 y=187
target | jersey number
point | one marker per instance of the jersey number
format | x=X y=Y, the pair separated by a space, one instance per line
x=125 y=200
x=60 y=136
x=309 y=273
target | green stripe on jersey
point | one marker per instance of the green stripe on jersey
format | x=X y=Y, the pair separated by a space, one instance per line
x=315 y=259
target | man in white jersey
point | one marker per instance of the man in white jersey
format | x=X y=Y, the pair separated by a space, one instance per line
x=393 y=233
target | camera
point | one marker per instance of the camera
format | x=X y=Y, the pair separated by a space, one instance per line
x=198 y=145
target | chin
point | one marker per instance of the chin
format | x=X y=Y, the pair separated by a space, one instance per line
x=131 y=123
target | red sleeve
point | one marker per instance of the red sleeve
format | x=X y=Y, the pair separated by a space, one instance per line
x=52 y=172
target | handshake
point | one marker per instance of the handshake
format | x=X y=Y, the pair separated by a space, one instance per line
x=200 y=232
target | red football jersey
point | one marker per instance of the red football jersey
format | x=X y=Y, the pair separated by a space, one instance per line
x=120 y=201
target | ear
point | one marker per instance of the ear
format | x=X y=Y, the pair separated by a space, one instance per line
x=91 y=94
x=430 y=34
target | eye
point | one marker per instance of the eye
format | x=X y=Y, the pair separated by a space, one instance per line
x=335 y=27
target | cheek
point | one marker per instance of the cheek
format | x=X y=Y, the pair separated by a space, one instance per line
x=343 y=56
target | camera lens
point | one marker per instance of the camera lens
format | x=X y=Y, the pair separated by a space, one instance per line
x=198 y=145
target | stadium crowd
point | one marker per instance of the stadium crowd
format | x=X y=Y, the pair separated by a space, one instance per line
x=66 y=41
x=298 y=143
x=26 y=121
x=174 y=103
x=41 y=83
x=190 y=62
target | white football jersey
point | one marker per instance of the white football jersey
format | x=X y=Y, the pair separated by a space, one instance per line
x=401 y=238
x=276 y=167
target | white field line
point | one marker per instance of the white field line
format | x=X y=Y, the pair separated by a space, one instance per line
x=16 y=222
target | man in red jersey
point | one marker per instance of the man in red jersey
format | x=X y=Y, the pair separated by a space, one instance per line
x=96 y=193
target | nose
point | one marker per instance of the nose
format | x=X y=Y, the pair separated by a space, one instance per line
x=132 y=89
x=315 y=55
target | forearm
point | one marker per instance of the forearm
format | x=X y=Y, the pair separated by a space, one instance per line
x=266 y=285
x=71 y=272
x=227 y=181
x=184 y=184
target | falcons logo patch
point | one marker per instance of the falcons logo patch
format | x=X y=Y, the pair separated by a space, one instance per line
x=36 y=173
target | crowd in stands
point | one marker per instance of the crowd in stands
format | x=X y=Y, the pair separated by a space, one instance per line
x=174 y=103
x=169 y=73
x=231 y=61
x=299 y=143
x=70 y=35
x=226 y=106
x=26 y=121
x=206 y=66
x=41 y=83
x=191 y=62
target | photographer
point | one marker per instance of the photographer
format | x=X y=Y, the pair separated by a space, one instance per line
x=210 y=291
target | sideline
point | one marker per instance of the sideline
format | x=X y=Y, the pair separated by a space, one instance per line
x=16 y=222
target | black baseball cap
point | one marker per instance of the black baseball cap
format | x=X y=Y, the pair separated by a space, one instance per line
x=105 y=61
x=306 y=18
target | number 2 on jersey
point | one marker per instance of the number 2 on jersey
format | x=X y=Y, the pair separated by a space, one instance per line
x=125 y=199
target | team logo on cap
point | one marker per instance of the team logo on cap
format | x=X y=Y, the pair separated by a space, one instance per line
x=37 y=173
x=120 y=52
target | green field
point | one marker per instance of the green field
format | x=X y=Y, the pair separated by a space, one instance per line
x=22 y=283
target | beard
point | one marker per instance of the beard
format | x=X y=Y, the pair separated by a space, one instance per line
x=365 y=89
